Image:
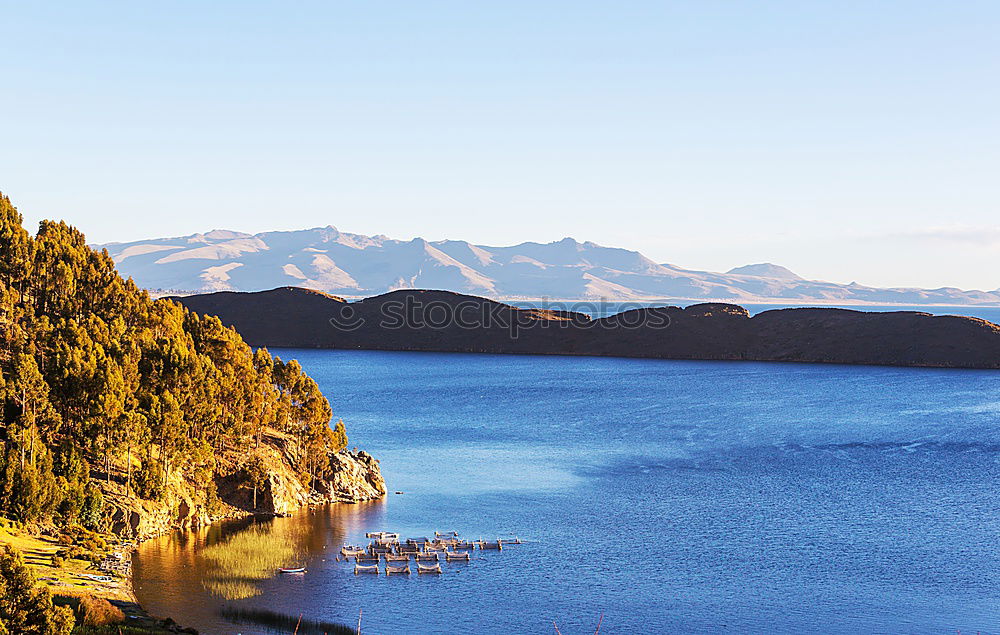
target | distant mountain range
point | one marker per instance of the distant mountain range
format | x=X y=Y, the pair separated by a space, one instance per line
x=354 y=265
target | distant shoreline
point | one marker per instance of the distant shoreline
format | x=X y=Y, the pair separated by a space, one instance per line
x=443 y=321
x=650 y=301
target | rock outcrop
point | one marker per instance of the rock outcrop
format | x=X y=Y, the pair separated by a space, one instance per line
x=414 y=320
x=348 y=477
x=352 y=478
x=139 y=519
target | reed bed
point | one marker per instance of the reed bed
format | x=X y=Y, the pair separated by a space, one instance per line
x=283 y=623
x=246 y=558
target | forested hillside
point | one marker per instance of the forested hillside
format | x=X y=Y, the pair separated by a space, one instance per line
x=98 y=382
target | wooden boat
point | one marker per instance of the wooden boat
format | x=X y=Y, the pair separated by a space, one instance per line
x=366 y=568
x=96 y=578
x=483 y=544
x=457 y=555
x=403 y=569
x=428 y=568
x=365 y=559
x=351 y=550
x=389 y=557
x=464 y=545
x=511 y=541
x=438 y=534
x=427 y=557
x=293 y=570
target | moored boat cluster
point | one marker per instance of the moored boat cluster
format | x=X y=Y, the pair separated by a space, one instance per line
x=394 y=555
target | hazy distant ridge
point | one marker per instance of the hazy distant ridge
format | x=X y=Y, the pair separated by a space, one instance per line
x=356 y=265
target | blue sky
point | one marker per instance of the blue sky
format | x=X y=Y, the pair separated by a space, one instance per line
x=847 y=141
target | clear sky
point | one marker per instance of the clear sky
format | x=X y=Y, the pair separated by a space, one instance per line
x=844 y=140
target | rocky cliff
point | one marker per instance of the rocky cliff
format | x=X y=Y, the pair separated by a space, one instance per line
x=349 y=477
x=445 y=321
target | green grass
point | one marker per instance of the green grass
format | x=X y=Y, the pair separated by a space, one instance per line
x=66 y=580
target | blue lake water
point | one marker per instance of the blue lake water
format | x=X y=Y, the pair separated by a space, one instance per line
x=671 y=496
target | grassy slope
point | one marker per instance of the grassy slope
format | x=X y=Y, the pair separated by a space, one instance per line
x=67 y=584
x=66 y=580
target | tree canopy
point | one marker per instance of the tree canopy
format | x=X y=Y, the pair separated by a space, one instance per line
x=97 y=377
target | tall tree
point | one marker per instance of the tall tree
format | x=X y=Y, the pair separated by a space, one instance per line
x=166 y=424
x=16 y=248
x=265 y=397
x=108 y=410
x=28 y=390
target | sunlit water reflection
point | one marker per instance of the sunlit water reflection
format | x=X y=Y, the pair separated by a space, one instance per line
x=671 y=496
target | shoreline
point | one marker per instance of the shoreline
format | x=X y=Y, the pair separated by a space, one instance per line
x=352 y=477
x=68 y=583
x=714 y=360
x=168 y=624
x=652 y=301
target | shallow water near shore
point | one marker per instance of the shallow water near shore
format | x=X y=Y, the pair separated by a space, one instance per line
x=672 y=496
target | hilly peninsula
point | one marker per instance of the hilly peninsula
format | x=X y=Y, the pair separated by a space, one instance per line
x=443 y=321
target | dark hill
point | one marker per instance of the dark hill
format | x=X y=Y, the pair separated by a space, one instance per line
x=446 y=321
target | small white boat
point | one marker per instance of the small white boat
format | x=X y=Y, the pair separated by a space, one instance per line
x=96 y=578
x=293 y=570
